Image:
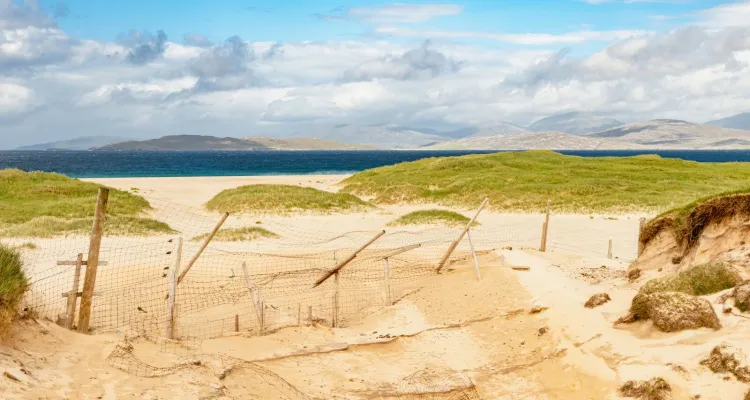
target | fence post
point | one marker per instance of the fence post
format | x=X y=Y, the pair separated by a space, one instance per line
x=387 y=283
x=256 y=301
x=336 y=301
x=609 y=249
x=262 y=311
x=455 y=243
x=346 y=261
x=236 y=323
x=309 y=314
x=545 y=228
x=73 y=295
x=641 y=225
x=92 y=262
x=299 y=314
x=474 y=255
x=203 y=247
x=172 y=296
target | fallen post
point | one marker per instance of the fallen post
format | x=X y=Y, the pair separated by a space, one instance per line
x=346 y=261
x=460 y=236
x=202 y=248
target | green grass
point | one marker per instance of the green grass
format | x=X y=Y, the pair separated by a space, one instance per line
x=39 y=204
x=239 y=234
x=697 y=281
x=432 y=217
x=280 y=199
x=13 y=284
x=524 y=181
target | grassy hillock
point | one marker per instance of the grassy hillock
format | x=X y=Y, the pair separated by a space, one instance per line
x=39 y=204
x=13 y=284
x=239 y=234
x=697 y=281
x=432 y=217
x=523 y=181
x=281 y=199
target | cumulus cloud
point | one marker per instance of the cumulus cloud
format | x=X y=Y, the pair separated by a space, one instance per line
x=420 y=63
x=194 y=39
x=147 y=47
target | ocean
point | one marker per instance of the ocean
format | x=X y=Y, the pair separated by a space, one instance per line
x=104 y=164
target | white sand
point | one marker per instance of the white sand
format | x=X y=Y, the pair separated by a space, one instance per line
x=454 y=322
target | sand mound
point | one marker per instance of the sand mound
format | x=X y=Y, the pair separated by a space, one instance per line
x=653 y=389
x=672 y=311
x=597 y=300
x=727 y=359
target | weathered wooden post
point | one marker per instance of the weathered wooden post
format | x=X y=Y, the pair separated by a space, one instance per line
x=203 y=247
x=346 y=261
x=387 y=270
x=609 y=249
x=336 y=300
x=474 y=254
x=455 y=243
x=236 y=323
x=545 y=228
x=641 y=225
x=309 y=314
x=172 y=296
x=73 y=294
x=92 y=262
x=256 y=301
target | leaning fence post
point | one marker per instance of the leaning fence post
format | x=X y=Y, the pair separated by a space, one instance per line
x=92 y=262
x=545 y=228
x=203 y=247
x=641 y=225
x=73 y=294
x=455 y=243
x=474 y=255
x=347 y=260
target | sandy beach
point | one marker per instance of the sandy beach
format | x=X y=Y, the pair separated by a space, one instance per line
x=514 y=334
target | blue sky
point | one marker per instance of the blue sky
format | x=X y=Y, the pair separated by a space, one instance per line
x=283 y=68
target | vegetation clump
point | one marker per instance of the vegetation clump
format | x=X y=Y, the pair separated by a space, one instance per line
x=268 y=198
x=239 y=234
x=700 y=280
x=524 y=181
x=13 y=284
x=40 y=204
x=653 y=389
x=725 y=358
x=673 y=311
x=432 y=217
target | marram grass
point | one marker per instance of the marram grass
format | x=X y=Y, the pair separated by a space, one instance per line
x=432 y=217
x=282 y=199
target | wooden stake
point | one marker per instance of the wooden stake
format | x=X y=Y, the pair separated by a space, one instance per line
x=236 y=323
x=178 y=256
x=474 y=254
x=72 y=295
x=545 y=228
x=92 y=262
x=251 y=288
x=343 y=263
x=203 y=247
x=387 y=284
x=299 y=314
x=309 y=314
x=609 y=249
x=460 y=236
x=336 y=301
x=641 y=225
x=262 y=314
x=170 y=305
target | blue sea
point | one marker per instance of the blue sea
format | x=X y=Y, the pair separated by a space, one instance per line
x=105 y=164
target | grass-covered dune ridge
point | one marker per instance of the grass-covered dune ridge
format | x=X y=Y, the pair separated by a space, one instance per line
x=239 y=234
x=267 y=198
x=688 y=222
x=13 y=284
x=524 y=181
x=432 y=217
x=40 y=204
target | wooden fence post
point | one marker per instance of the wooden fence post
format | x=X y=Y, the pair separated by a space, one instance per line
x=256 y=301
x=336 y=301
x=236 y=323
x=474 y=255
x=641 y=225
x=92 y=262
x=172 y=295
x=203 y=247
x=387 y=283
x=73 y=295
x=343 y=263
x=545 y=228
x=455 y=243
x=299 y=314
x=309 y=314
x=609 y=249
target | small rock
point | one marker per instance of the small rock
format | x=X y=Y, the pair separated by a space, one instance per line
x=543 y=330
x=741 y=294
x=597 y=300
x=634 y=274
x=538 y=309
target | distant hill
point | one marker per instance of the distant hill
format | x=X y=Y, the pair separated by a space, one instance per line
x=382 y=136
x=576 y=123
x=187 y=143
x=521 y=141
x=670 y=133
x=80 y=143
x=307 y=144
x=499 y=128
x=739 y=121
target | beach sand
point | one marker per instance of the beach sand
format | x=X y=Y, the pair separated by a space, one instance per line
x=457 y=328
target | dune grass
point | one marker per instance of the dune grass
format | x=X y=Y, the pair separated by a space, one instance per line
x=13 y=284
x=239 y=234
x=281 y=199
x=39 y=204
x=432 y=217
x=700 y=280
x=524 y=181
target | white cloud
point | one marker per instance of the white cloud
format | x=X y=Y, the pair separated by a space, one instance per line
x=405 y=13
x=14 y=99
x=726 y=15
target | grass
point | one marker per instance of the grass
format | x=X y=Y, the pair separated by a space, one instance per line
x=239 y=234
x=39 y=204
x=687 y=222
x=432 y=217
x=280 y=199
x=524 y=181
x=13 y=284
x=697 y=281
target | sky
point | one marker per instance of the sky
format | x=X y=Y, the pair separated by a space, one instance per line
x=143 y=69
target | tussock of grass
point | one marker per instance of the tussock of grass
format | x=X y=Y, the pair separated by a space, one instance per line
x=13 y=284
x=688 y=222
x=284 y=199
x=27 y=246
x=432 y=217
x=524 y=181
x=653 y=389
x=697 y=281
x=239 y=234
x=39 y=204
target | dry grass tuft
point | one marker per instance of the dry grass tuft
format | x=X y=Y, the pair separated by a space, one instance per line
x=728 y=359
x=653 y=389
x=13 y=284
